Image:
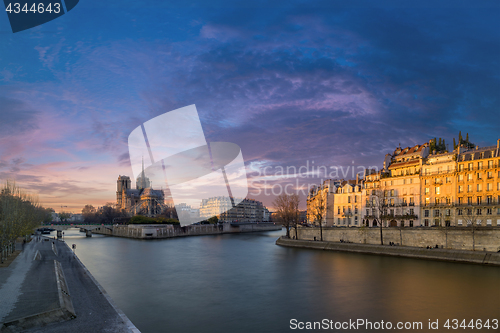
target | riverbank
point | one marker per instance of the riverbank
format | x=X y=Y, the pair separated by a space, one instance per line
x=47 y=288
x=162 y=231
x=459 y=256
x=484 y=238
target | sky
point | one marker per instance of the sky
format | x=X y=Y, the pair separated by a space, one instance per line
x=292 y=83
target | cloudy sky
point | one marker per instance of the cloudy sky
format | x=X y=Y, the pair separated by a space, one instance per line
x=337 y=83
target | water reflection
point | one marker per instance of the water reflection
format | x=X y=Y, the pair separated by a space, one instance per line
x=245 y=283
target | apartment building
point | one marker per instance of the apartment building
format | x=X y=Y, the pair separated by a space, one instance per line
x=438 y=189
x=478 y=186
x=320 y=202
x=417 y=187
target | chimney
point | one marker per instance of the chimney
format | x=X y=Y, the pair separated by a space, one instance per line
x=357 y=178
x=498 y=144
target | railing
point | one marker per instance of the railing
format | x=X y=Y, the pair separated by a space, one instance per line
x=484 y=167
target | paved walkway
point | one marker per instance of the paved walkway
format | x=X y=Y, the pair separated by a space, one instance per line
x=28 y=287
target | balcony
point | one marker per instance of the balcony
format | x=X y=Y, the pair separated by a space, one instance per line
x=411 y=204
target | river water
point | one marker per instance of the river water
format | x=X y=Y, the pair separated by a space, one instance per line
x=245 y=283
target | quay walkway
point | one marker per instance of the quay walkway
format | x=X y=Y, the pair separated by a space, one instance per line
x=47 y=289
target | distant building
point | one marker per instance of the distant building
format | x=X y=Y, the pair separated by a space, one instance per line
x=187 y=213
x=247 y=211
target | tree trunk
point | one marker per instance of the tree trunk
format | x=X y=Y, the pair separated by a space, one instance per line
x=473 y=240
x=321 y=231
x=381 y=237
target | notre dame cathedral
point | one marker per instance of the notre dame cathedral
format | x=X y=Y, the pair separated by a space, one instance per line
x=141 y=200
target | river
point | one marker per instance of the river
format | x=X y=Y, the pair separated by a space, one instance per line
x=245 y=283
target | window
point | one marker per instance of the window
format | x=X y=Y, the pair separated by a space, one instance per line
x=490 y=175
x=426 y=182
x=461 y=178
x=404 y=181
x=459 y=221
x=489 y=199
x=479 y=165
x=426 y=190
x=479 y=187
x=488 y=211
x=426 y=222
x=339 y=211
x=460 y=188
x=470 y=166
x=367 y=212
x=412 y=212
x=448 y=212
x=427 y=201
x=436 y=201
x=438 y=190
x=426 y=213
x=469 y=188
x=460 y=200
x=490 y=164
x=469 y=200
x=436 y=212
x=469 y=177
x=355 y=210
x=479 y=199
x=461 y=167
x=479 y=211
x=489 y=187
x=411 y=180
x=348 y=199
x=479 y=175
x=460 y=212
x=448 y=180
x=411 y=200
x=355 y=199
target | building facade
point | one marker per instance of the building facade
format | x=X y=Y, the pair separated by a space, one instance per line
x=141 y=200
x=416 y=187
x=246 y=211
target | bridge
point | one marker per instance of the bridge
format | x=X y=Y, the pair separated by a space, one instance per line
x=87 y=228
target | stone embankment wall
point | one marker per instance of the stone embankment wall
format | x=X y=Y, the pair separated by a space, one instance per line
x=485 y=238
x=156 y=231
x=461 y=256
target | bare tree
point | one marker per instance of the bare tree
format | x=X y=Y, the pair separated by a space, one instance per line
x=472 y=218
x=317 y=209
x=379 y=202
x=20 y=214
x=287 y=210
